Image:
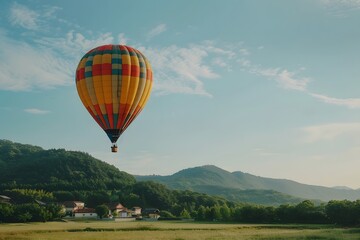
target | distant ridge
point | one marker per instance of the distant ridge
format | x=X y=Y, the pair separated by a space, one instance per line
x=206 y=178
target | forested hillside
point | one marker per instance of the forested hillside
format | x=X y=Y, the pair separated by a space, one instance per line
x=27 y=166
x=29 y=174
x=70 y=175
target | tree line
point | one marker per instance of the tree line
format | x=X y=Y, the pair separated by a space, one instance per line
x=341 y=212
x=179 y=204
x=60 y=175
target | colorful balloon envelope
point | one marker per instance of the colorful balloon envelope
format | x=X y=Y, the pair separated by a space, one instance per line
x=114 y=83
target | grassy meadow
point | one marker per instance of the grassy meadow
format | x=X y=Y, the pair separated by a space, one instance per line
x=169 y=230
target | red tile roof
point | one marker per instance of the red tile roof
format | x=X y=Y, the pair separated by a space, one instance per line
x=70 y=204
x=85 y=210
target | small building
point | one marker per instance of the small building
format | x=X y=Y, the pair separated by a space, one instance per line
x=72 y=206
x=115 y=207
x=136 y=211
x=125 y=213
x=152 y=213
x=4 y=199
x=85 y=213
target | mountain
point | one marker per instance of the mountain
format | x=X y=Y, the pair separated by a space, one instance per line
x=26 y=170
x=27 y=166
x=228 y=184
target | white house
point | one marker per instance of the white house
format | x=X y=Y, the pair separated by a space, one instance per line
x=125 y=213
x=151 y=213
x=72 y=206
x=115 y=207
x=136 y=211
x=85 y=213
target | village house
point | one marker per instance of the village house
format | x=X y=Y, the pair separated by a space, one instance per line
x=4 y=199
x=85 y=213
x=151 y=213
x=72 y=206
x=77 y=209
x=125 y=213
x=136 y=211
x=118 y=210
x=115 y=208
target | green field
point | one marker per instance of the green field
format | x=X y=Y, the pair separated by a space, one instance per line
x=169 y=230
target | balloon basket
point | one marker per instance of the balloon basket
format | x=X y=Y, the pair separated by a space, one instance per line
x=114 y=149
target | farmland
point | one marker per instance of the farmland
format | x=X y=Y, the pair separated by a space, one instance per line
x=170 y=230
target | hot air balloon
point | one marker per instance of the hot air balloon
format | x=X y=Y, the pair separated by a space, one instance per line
x=114 y=83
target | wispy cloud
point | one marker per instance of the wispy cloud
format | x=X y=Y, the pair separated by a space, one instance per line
x=25 y=67
x=75 y=44
x=48 y=60
x=43 y=61
x=331 y=131
x=291 y=80
x=41 y=19
x=176 y=69
x=184 y=69
x=340 y=8
x=24 y=17
x=180 y=70
x=36 y=111
x=244 y=51
x=156 y=31
x=285 y=78
x=122 y=39
x=347 y=102
x=49 y=11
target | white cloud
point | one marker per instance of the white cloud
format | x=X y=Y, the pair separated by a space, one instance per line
x=24 y=17
x=331 y=131
x=36 y=111
x=340 y=8
x=226 y=51
x=156 y=31
x=347 y=102
x=285 y=78
x=51 y=62
x=219 y=62
x=49 y=11
x=75 y=44
x=122 y=39
x=290 y=80
x=181 y=70
x=25 y=67
x=43 y=19
x=244 y=51
x=350 y=3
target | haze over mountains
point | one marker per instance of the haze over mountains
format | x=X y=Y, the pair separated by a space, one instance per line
x=211 y=179
x=27 y=166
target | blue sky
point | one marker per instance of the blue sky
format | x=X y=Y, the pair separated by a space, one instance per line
x=265 y=87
